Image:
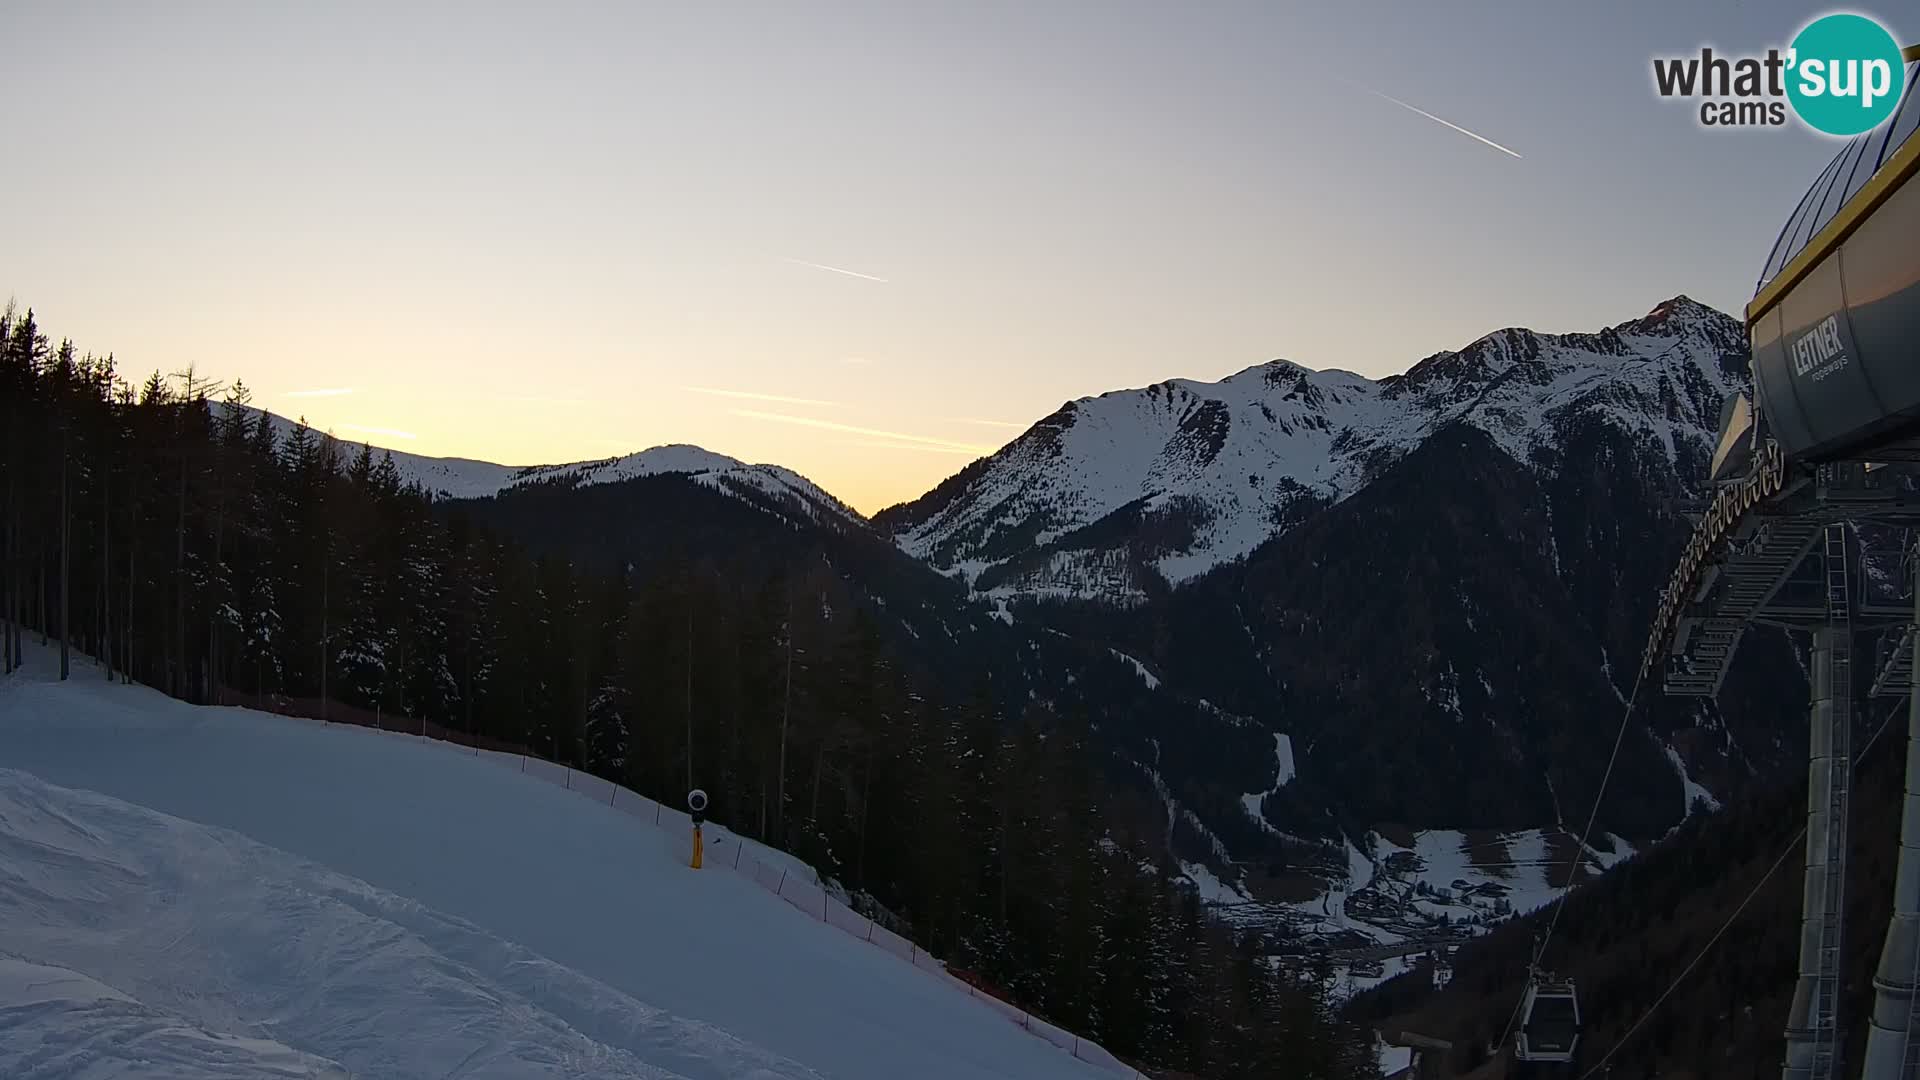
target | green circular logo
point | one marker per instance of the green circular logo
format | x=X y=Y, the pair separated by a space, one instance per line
x=1844 y=74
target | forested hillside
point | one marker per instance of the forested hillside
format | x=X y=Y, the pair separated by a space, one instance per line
x=1431 y=584
x=1631 y=938
x=176 y=539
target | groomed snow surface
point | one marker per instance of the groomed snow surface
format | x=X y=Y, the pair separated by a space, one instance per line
x=56 y=1022
x=200 y=892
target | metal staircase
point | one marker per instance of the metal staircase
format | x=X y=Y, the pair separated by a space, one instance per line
x=1896 y=665
x=1741 y=569
x=1749 y=577
x=1748 y=562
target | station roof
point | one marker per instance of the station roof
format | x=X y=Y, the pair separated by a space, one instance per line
x=1878 y=160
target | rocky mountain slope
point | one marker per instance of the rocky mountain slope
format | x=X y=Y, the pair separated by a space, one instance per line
x=1327 y=626
x=1428 y=587
x=1116 y=496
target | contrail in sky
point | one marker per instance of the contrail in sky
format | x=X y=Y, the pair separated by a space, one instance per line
x=380 y=431
x=991 y=423
x=808 y=421
x=750 y=395
x=833 y=269
x=880 y=444
x=540 y=399
x=1437 y=120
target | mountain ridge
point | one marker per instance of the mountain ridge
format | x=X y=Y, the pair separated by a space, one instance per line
x=471 y=478
x=1181 y=476
x=1584 y=437
x=1463 y=380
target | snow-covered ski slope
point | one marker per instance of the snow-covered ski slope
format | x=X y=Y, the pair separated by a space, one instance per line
x=57 y=1022
x=173 y=935
x=223 y=892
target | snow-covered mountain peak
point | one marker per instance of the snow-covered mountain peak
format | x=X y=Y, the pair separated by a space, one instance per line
x=462 y=478
x=1273 y=373
x=705 y=467
x=681 y=458
x=1184 y=474
x=1679 y=314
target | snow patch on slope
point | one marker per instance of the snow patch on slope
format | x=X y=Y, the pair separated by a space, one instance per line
x=1254 y=801
x=1283 y=761
x=1696 y=792
x=1607 y=860
x=1148 y=677
x=1520 y=878
x=1359 y=866
x=1211 y=888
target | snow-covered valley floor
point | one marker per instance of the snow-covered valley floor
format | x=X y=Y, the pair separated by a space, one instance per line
x=197 y=892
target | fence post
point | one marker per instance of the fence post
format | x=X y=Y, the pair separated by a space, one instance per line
x=656 y=813
x=739 y=845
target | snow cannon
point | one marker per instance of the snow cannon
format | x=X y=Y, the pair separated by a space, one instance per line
x=697 y=806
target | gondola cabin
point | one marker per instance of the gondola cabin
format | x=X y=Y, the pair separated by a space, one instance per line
x=1549 y=1022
